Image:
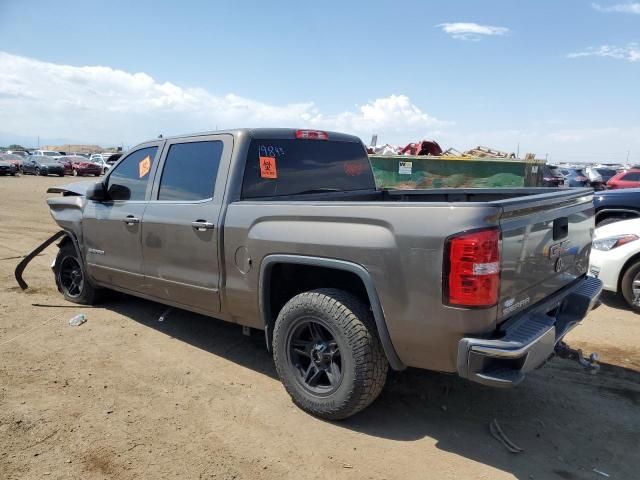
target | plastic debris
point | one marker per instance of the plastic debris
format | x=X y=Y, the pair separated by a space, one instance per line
x=165 y=314
x=600 y=472
x=78 y=320
x=499 y=435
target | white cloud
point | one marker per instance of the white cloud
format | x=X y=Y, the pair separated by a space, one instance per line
x=618 y=8
x=630 y=52
x=471 y=31
x=98 y=103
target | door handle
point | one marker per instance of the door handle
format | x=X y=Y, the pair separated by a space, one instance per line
x=131 y=220
x=202 y=225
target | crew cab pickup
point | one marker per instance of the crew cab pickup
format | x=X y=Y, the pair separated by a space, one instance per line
x=284 y=231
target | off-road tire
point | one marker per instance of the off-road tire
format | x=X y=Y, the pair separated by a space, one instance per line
x=626 y=285
x=364 y=365
x=88 y=294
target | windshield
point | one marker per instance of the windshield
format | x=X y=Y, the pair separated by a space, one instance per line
x=290 y=167
x=51 y=154
x=606 y=172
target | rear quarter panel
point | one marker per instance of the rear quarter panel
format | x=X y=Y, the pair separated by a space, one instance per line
x=399 y=244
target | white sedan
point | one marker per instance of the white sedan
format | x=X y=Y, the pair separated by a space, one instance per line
x=615 y=259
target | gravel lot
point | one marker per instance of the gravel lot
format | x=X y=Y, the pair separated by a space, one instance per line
x=126 y=396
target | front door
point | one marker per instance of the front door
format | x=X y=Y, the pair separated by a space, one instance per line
x=180 y=226
x=112 y=228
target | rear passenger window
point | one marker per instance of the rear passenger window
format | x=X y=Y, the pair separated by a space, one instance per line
x=128 y=181
x=190 y=171
x=631 y=177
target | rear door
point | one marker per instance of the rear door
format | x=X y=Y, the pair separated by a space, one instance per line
x=181 y=225
x=546 y=241
x=112 y=229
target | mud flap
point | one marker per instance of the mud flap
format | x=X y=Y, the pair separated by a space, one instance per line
x=25 y=261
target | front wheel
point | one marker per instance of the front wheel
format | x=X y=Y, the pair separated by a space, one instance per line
x=327 y=353
x=630 y=286
x=37 y=171
x=71 y=278
x=75 y=173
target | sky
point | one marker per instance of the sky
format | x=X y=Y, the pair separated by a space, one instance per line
x=557 y=78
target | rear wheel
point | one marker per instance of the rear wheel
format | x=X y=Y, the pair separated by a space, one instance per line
x=37 y=171
x=630 y=286
x=75 y=172
x=327 y=353
x=71 y=277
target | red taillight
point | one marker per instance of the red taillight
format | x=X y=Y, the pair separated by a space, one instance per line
x=312 y=134
x=473 y=274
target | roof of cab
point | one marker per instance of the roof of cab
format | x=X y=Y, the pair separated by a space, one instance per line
x=271 y=133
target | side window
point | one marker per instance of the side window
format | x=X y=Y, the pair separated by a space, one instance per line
x=631 y=177
x=190 y=171
x=129 y=179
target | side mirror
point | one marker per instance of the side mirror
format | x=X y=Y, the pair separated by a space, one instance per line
x=97 y=192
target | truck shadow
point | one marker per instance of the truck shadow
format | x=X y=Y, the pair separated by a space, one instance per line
x=613 y=300
x=567 y=421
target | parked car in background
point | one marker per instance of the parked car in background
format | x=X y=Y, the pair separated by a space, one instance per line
x=113 y=158
x=615 y=259
x=7 y=167
x=616 y=205
x=625 y=179
x=575 y=177
x=552 y=177
x=66 y=163
x=595 y=178
x=606 y=173
x=100 y=160
x=81 y=166
x=47 y=153
x=42 y=165
x=13 y=159
x=21 y=153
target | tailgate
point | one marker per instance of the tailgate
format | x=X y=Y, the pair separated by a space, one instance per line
x=546 y=240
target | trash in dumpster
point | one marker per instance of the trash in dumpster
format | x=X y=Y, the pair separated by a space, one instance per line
x=78 y=320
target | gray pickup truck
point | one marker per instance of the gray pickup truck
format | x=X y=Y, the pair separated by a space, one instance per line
x=284 y=230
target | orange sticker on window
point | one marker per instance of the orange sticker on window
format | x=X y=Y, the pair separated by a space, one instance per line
x=144 y=166
x=268 y=167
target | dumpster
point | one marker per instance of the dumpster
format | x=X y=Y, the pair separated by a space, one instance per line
x=414 y=172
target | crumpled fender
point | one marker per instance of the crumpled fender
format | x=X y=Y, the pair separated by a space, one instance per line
x=25 y=261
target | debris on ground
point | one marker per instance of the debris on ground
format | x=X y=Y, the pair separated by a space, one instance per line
x=498 y=434
x=78 y=320
x=164 y=315
x=600 y=472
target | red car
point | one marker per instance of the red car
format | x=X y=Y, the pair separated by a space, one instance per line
x=80 y=166
x=67 y=163
x=625 y=179
x=13 y=159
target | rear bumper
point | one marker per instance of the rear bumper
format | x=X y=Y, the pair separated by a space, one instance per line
x=526 y=341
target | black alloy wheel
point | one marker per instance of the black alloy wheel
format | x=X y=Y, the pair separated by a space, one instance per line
x=71 y=277
x=315 y=356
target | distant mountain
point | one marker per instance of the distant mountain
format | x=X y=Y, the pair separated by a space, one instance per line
x=31 y=141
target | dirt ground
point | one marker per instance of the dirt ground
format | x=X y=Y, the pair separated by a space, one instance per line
x=127 y=396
